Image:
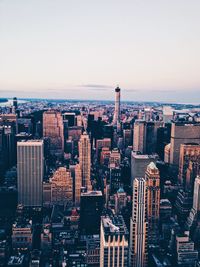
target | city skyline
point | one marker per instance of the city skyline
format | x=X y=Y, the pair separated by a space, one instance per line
x=66 y=49
x=99 y=133
x=95 y=184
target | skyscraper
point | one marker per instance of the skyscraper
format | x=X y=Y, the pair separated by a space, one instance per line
x=115 y=158
x=196 y=203
x=139 y=164
x=77 y=185
x=53 y=129
x=115 y=179
x=114 y=242
x=15 y=105
x=139 y=225
x=153 y=183
x=70 y=117
x=139 y=136
x=116 y=117
x=182 y=133
x=90 y=212
x=7 y=147
x=85 y=159
x=152 y=135
x=196 y=195
x=62 y=187
x=30 y=168
x=189 y=153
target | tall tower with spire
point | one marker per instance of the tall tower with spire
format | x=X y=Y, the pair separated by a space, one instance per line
x=116 y=117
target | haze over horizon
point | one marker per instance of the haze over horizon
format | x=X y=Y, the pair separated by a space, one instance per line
x=82 y=50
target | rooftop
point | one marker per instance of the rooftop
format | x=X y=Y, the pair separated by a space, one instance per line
x=114 y=225
x=142 y=156
x=92 y=193
x=120 y=190
x=152 y=166
x=29 y=142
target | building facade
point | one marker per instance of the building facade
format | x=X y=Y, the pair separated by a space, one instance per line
x=182 y=133
x=153 y=204
x=139 y=136
x=189 y=154
x=113 y=242
x=30 y=171
x=54 y=130
x=139 y=225
x=85 y=159
x=62 y=187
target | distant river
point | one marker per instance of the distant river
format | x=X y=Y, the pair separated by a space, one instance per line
x=10 y=103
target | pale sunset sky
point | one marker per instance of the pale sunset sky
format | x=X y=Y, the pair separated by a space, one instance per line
x=82 y=49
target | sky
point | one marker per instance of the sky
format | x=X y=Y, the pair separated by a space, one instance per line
x=75 y=49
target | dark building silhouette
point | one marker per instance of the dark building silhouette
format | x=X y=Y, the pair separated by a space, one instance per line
x=70 y=117
x=163 y=138
x=15 y=104
x=91 y=209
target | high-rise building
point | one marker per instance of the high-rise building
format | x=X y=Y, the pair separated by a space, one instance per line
x=139 y=136
x=139 y=164
x=193 y=170
x=8 y=130
x=139 y=225
x=115 y=179
x=183 y=204
x=196 y=203
x=53 y=129
x=167 y=114
x=188 y=153
x=163 y=138
x=62 y=187
x=196 y=195
x=8 y=118
x=153 y=210
x=91 y=209
x=187 y=255
x=182 y=133
x=113 y=242
x=108 y=131
x=167 y=153
x=100 y=143
x=85 y=159
x=74 y=134
x=105 y=156
x=78 y=184
x=116 y=117
x=127 y=137
x=70 y=117
x=47 y=194
x=2 y=151
x=93 y=250
x=7 y=147
x=15 y=104
x=115 y=158
x=120 y=200
x=25 y=125
x=30 y=169
x=152 y=135
x=22 y=235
